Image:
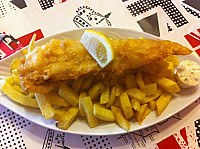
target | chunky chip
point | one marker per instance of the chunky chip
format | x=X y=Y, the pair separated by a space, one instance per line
x=103 y=113
x=87 y=105
x=126 y=105
x=162 y=102
x=45 y=106
x=17 y=96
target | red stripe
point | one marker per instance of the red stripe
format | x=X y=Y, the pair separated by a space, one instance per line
x=193 y=38
x=5 y=49
x=198 y=52
x=198 y=30
x=24 y=40
x=168 y=143
x=8 y=50
x=183 y=134
x=195 y=35
x=194 y=42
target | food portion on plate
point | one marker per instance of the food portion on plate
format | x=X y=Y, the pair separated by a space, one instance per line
x=99 y=78
x=60 y=60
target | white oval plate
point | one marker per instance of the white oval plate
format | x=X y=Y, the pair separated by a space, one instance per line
x=80 y=126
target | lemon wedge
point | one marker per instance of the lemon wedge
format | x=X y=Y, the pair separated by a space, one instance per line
x=99 y=47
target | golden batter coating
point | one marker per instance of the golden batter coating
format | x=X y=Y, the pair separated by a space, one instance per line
x=60 y=60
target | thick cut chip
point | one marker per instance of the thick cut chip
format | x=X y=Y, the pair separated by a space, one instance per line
x=55 y=99
x=150 y=89
x=68 y=94
x=167 y=84
x=17 y=96
x=16 y=79
x=117 y=102
x=19 y=88
x=114 y=109
x=15 y=64
x=105 y=95
x=67 y=119
x=81 y=110
x=162 y=102
x=60 y=112
x=45 y=106
x=135 y=104
x=95 y=90
x=173 y=59
x=152 y=105
x=126 y=105
x=87 y=105
x=136 y=93
x=169 y=71
x=144 y=115
x=119 y=89
x=121 y=120
x=9 y=80
x=103 y=113
x=139 y=80
x=139 y=114
x=112 y=97
x=151 y=97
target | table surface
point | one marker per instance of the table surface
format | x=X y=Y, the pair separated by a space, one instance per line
x=176 y=20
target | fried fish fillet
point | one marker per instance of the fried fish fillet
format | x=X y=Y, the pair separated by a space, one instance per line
x=60 y=60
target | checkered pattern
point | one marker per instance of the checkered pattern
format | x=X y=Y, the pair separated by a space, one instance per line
x=142 y=6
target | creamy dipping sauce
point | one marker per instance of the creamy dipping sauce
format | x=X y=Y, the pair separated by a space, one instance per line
x=188 y=74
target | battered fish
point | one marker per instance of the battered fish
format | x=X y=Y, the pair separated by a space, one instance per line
x=66 y=59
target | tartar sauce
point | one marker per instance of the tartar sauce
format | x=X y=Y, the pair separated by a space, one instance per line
x=188 y=74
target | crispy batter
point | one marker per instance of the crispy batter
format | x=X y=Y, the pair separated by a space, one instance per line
x=60 y=60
